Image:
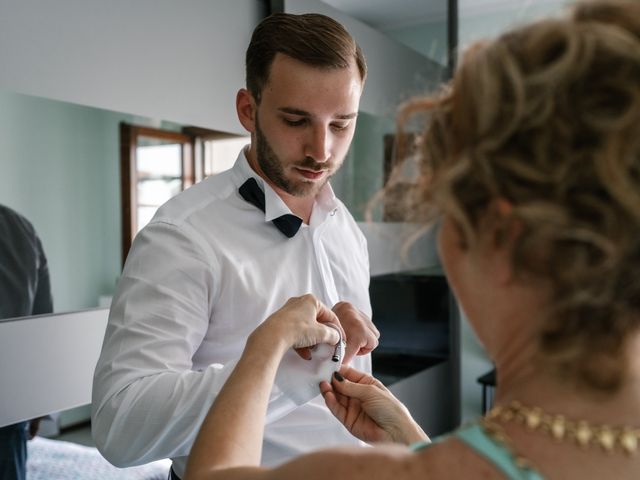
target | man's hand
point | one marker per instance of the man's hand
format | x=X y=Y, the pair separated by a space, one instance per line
x=302 y=324
x=361 y=334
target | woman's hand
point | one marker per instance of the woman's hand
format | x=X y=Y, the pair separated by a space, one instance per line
x=231 y=434
x=301 y=324
x=368 y=409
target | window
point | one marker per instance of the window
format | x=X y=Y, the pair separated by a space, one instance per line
x=157 y=164
x=215 y=152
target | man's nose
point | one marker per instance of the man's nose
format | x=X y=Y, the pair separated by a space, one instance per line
x=318 y=144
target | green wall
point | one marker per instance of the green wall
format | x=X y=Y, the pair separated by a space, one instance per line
x=59 y=167
x=368 y=162
x=430 y=39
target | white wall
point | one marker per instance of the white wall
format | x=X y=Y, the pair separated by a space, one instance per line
x=166 y=59
x=34 y=385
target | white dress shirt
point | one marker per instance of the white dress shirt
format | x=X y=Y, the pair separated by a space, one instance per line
x=199 y=278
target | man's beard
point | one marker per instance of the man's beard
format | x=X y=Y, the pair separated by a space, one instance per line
x=273 y=169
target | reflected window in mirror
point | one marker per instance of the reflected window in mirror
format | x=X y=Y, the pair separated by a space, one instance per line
x=155 y=165
x=163 y=170
x=220 y=153
x=214 y=152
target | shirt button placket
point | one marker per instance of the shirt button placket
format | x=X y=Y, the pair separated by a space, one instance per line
x=323 y=265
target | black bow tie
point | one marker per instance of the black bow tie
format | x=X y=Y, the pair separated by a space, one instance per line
x=288 y=224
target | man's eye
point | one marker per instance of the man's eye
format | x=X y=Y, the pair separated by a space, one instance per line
x=339 y=126
x=295 y=123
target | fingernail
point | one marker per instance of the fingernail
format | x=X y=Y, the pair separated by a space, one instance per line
x=338 y=377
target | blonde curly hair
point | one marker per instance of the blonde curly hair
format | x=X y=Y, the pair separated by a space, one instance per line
x=547 y=117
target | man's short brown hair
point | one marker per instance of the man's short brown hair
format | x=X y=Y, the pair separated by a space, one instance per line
x=310 y=38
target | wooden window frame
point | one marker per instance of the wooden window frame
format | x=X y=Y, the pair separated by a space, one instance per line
x=129 y=135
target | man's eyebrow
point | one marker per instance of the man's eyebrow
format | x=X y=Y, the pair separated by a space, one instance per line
x=347 y=116
x=303 y=113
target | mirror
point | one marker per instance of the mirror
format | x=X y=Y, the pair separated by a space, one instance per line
x=420 y=25
x=60 y=160
x=406 y=46
x=60 y=164
x=60 y=169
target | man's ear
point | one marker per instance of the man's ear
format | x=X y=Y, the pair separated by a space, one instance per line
x=246 y=109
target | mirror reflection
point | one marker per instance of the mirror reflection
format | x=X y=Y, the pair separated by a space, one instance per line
x=63 y=164
x=69 y=156
x=60 y=164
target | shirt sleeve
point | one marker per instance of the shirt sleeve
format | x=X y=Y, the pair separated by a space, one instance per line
x=148 y=403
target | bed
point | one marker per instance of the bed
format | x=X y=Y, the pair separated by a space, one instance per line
x=59 y=460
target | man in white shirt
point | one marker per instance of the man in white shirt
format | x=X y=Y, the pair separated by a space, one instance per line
x=220 y=257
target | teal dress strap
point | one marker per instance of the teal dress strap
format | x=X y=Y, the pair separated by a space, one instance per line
x=477 y=438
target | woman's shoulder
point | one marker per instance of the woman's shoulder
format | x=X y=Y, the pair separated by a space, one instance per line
x=474 y=450
x=452 y=458
x=449 y=459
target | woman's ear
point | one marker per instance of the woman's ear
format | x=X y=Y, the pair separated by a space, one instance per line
x=504 y=226
x=506 y=231
x=246 y=109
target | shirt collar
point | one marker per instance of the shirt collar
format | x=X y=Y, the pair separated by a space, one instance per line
x=274 y=205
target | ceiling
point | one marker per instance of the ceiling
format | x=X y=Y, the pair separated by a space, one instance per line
x=396 y=14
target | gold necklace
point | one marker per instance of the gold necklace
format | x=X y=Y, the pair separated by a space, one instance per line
x=563 y=429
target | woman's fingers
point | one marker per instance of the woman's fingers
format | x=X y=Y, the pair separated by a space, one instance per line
x=340 y=393
x=333 y=404
x=360 y=377
x=354 y=390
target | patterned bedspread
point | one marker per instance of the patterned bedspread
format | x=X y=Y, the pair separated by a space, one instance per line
x=57 y=460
